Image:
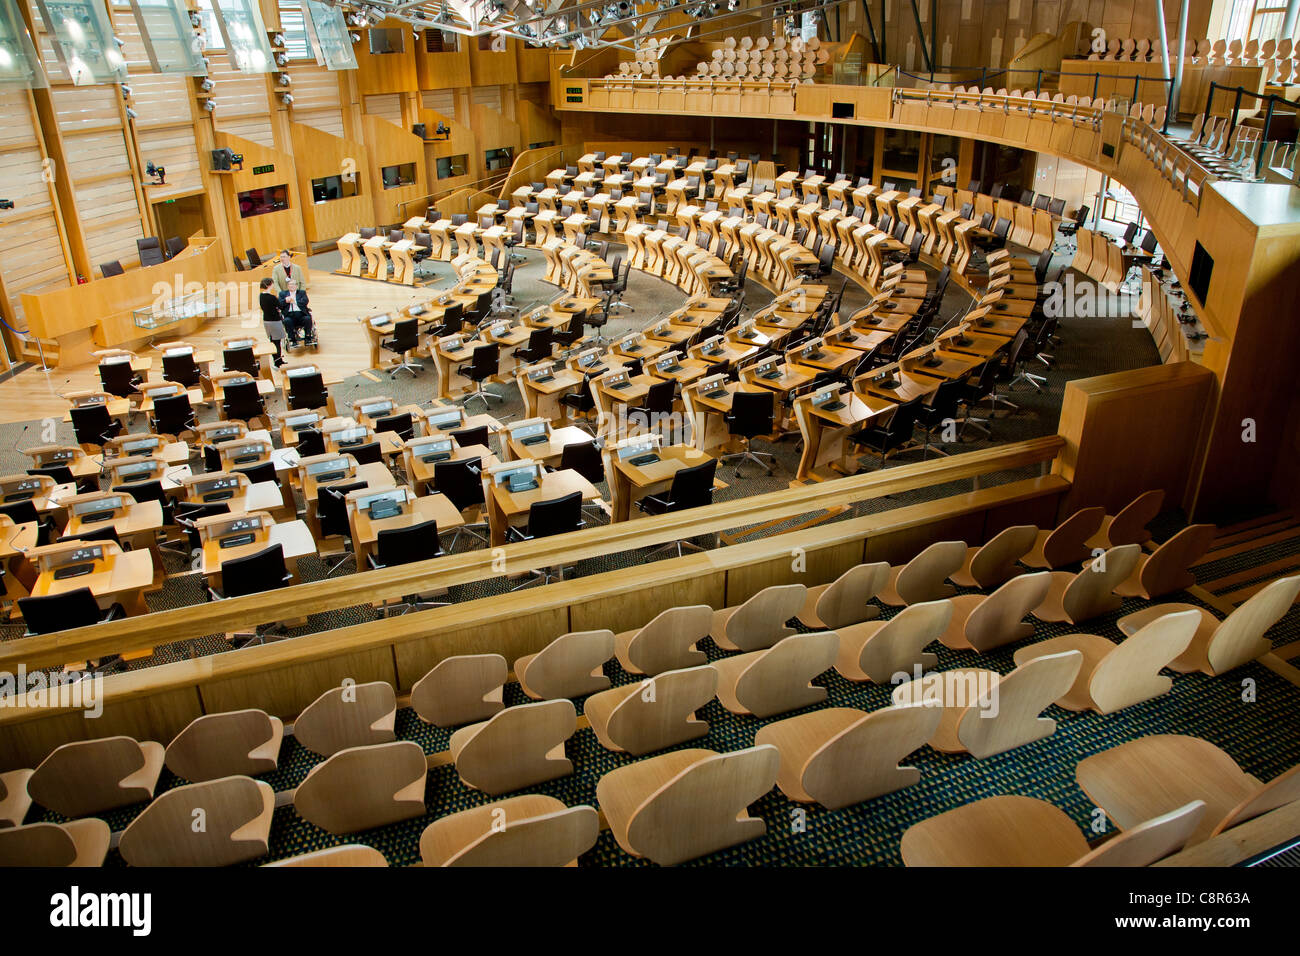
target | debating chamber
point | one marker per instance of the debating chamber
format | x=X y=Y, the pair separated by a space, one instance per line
x=602 y=433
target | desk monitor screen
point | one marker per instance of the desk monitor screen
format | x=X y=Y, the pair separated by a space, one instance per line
x=668 y=364
x=94 y=553
x=98 y=509
x=378 y=320
x=638 y=447
x=713 y=346
x=663 y=328
x=436 y=449
x=162 y=391
x=246 y=453
x=500 y=329
x=215 y=435
x=545 y=374
x=136 y=470
x=523 y=478
x=746 y=330
x=714 y=386
x=61 y=454
x=325 y=466
x=91 y=400
x=246 y=523
x=177 y=352
x=382 y=504
x=377 y=408
x=443 y=420
x=299 y=422
x=451 y=343
x=767 y=370
x=587 y=360
x=529 y=430
x=630 y=343
x=811 y=351
x=115 y=360
x=240 y=344
x=31 y=485
x=303 y=371
x=825 y=398
x=350 y=436
x=137 y=445
x=416 y=310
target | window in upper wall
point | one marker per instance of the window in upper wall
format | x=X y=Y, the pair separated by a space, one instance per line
x=258 y=202
x=293 y=26
x=436 y=41
x=384 y=40
x=452 y=166
x=211 y=31
x=327 y=188
x=1255 y=20
x=498 y=158
x=402 y=174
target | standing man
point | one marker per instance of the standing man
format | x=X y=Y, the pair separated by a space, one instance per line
x=286 y=269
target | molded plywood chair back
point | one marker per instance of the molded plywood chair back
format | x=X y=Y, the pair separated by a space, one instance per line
x=1007 y=715
x=15 y=801
x=667 y=642
x=461 y=690
x=923 y=578
x=1089 y=593
x=240 y=742
x=1149 y=842
x=354 y=715
x=236 y=813
x=75 y=843
x=760 y=621
x=349 y=855
x=1220 y=646
x=1168 y=568
x=998 y=619
x=1068 y=543
x=839 y=756
x=658 y=712
x=572 y=665
x=529 y=830
x=778 y=679
x=1154 y=775
x=685 y=804
x=845 y=600
x=90 y=776
x=1115 y=676
x=517 y=748
x=995 y=562
x=364 y=787
x=876 y=651
x=1129 y=524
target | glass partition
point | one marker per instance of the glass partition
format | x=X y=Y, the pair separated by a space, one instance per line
x=83 y=40
x=169 y=39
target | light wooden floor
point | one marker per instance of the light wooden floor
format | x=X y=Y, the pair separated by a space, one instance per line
x=336 y=303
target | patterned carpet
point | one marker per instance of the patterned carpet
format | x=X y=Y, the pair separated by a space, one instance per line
x=1259 y=735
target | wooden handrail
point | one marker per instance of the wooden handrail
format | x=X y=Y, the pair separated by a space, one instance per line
x=383 y=636
x=165 y=627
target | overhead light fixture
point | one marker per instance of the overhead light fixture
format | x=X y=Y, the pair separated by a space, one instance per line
x=284 y=79
x=126 y=92
x=210 y=105
x=286 y=98
x=207 y=85
x=131 y=113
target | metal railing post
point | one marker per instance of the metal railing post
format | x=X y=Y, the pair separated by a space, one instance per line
x=1038 y=86
x=1263 y=140
x=1096 y=85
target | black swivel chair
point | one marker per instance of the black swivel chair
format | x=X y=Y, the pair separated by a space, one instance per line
x=658 y=403
x=61 y=474
x=461 y=481
x=119 y=380
x=242 y=402
x=263 y=571
x=241 y=359
x=254 y=260
x=581 y=403
x=111 y=268
x=615 y=290
x=569 y=335
x=150 y=250
x=540 y=343
x=60 y=612
x=584 y=458
x=941 y=410
x=468 y=437
x=332 y=517
x=260 y=473
x=402 y=423
x=545 y=519
x=93 y=425
x=405 y=546
x=310 y=442
x=182 y=369
x=175 y=246
x=421 y=251
x=370 y=453
x=691 y=488
x=453 y=320
x=1070 y=227
x=405 y=338
x=24 y=512
x=307 y=391
x=484 y=364
x=173 y=415
x=894 y=434
x=751 y=415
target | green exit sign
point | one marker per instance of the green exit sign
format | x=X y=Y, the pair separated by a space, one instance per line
x=259 y=170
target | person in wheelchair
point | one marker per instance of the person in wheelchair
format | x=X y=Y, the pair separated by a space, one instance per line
x=296 y=310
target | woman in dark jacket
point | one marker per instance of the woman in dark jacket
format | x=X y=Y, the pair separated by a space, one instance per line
x=271 y=320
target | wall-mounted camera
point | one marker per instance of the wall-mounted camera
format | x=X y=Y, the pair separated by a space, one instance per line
x=6 y=204
x=159 y=172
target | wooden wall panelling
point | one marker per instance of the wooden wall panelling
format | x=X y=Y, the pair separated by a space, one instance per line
x=390 y=145
x=532 y=64
x=442 y=71
x=510 y=634
x=317 y=155
x=386 y=72
x=462 y=141
x=1134 y=431
x=269 y=232
x=494 y=130
x=537 y=124
x=487 y=68
x=284 y=691
x=316 y=100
